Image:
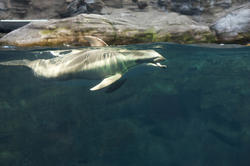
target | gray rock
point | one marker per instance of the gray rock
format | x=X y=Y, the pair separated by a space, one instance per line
x=142 y=4
x=114 y=3
x=161 y=3
x=198 y=7
x=118 y=28
x=204 y=12
x=187 y=8
x=75 y=7
x=2 y=34
x=94 y=6
x=235 y=26
x=32 y=9
x=83 y=6
x=2 y=6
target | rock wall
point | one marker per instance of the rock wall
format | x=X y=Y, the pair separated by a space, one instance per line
x=229 y=19
x=234 y=26
x=35 y=9
x=196 y=7
x=113 y=29
x=31 y=9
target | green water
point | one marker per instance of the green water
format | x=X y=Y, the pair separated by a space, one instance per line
x=194 y=113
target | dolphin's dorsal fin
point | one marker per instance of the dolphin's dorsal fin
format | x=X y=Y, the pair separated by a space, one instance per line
x=107 y=81
x=95 y=41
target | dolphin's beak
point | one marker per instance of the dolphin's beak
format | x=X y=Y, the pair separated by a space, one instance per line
x=159 y=59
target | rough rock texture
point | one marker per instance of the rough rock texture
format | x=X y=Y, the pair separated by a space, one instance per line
x=2 y=34
x=196 y=7
x=119 y=28
x=206 y=12
x=35 y=9
x=235 y=26
x=114 y=3
x=41 y=9
x=32 y=9
x=76 y=7
x=228 y=18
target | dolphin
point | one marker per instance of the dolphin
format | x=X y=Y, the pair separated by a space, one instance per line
x=105 y=64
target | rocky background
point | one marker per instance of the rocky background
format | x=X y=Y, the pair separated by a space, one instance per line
x=35 y=9
x=227 y=21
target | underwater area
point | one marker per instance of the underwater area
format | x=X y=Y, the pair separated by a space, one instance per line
x=194 y=113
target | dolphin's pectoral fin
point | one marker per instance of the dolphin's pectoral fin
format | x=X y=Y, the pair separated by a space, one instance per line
x=95 y=41
x=116 y=85
x=157 y=65
x=152 y=64
x=161 y=66
x=107 y=81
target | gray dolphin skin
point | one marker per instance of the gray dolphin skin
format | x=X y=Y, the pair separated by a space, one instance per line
x=103 y=63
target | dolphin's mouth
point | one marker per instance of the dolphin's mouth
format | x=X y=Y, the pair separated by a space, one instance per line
x=161 y=66
x=159 y=59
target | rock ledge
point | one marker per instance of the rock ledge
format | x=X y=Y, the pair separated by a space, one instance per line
x=115 y=29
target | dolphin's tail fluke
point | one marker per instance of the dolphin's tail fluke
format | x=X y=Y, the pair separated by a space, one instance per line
x=16 y=63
